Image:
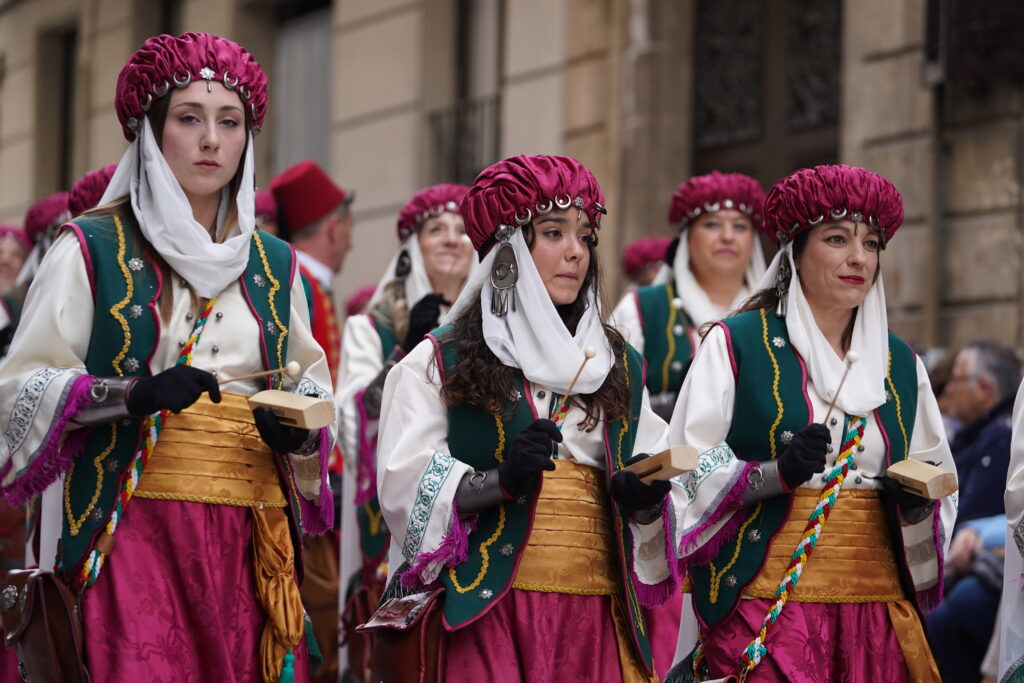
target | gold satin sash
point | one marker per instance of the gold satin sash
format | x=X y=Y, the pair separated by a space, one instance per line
x=852 y=562
x=572 y=550
x=571 y=544
x=212 y=453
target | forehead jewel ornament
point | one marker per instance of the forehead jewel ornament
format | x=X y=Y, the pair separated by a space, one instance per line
x=504 y=272
x=207 y=74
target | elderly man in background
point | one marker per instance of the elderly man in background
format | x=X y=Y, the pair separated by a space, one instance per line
x=980 y=393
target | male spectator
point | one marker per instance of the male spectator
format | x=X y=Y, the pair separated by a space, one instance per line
x=980 y=393
x=313 y=214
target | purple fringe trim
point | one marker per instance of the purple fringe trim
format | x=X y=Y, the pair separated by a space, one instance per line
x=318 y=518
x=366 y=473
x=652 y=595
x=929 y=598
x=709 y=550
x=453 y=551
x=53 y=459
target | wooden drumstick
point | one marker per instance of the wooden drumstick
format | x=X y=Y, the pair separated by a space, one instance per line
x=292 y=369
x=851 y=358
x=588 y=353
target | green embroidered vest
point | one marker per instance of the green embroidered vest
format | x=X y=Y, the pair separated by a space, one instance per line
x=772 y=405
x=667 y=346
x=480 y=439
x=374 y=538
x=126 y=283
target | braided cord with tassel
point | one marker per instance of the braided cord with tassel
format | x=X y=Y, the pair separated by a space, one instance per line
x=756 y=650
x=151 y=430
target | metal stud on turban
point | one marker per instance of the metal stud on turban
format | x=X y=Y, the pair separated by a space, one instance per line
x=427 y=203
x=716 y=191
x=86 y=192
x=812 y=196
x=509 y=194
x=164 y=62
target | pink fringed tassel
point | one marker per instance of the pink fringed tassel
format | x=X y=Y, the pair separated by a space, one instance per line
x=318 y=519
x=366 y=470
x=53 y=459
x=930 y=598
x=453 y=551
x=653 y=595
x=731 y=501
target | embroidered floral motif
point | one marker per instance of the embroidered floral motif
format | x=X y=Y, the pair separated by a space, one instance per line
x=135 y=311
x=709 y=461
x=136 y=264
x=433 y=479
x=131 y=364
x=271 y=327
x=778 y=342
x=258 y=279
x=1018 y=537
x=307 y=386
x=27 y=405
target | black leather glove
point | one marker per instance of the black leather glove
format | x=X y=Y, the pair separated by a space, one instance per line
x=805 y=455
x=632 y=494
x=173 y=389
x=280 y=437
x=423 y=317
x=913 y=507
x=528 y=454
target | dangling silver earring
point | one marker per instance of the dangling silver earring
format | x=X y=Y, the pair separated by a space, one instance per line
x=504 y=273
x=782 y=279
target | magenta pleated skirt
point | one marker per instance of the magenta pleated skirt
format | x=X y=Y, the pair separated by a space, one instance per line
x=176 y=602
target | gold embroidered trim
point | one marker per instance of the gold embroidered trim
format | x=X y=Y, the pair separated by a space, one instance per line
x=75 y=525
x=130 y=290
x=373 y=520
x=561 y=589
x=215 y=500
x=275 y=286
x=485 y=556
x=769 y=595
x=899 y=411
x=716 y=577
x=669 y=292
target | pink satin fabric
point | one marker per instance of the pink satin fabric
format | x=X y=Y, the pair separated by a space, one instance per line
x=533 y=637
x=663 y=625
x=175 y=601
x=811 y=642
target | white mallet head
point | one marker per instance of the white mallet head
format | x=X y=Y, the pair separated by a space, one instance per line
x=589 y=352
x=851 y=357
x=677 y=304
x=293 y=369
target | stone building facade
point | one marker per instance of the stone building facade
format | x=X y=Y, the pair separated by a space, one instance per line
x=391 y=95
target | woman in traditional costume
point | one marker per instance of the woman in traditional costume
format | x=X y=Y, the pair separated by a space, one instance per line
x=716 y=262
x=493 y=485
x=427 y=272
x=181 y=545
x=1010 y=625
x=757 y=403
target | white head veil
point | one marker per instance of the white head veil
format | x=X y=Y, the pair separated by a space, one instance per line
x=165 y=216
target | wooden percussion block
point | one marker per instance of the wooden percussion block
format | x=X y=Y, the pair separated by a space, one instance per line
x=295 y=410
x=927 y=481
x=669 y=463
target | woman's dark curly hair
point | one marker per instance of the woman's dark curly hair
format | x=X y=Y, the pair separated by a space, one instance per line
x=480 y=380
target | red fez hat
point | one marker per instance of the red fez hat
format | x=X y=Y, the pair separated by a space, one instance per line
x=713 y=192
x=304 y=195
x=511 y=192
x=88 y=190
x=164 y=62
x=428 y=202
x=811 y=196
